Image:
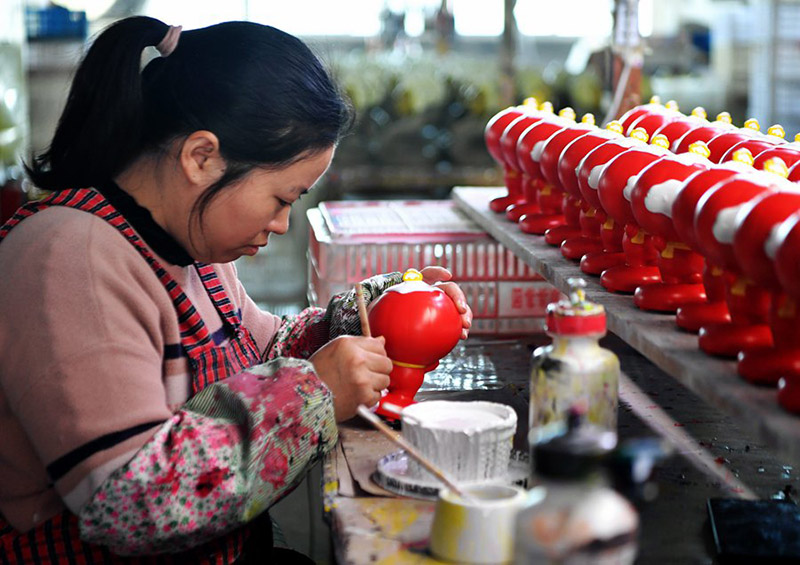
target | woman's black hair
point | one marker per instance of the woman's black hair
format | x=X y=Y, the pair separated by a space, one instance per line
x=261 y=91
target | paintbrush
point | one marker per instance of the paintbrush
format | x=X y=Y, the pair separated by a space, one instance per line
x=362 y=312
x=412 y=451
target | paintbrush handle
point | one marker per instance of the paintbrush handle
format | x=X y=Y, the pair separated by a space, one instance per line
x=362 y=312
x=412 y=451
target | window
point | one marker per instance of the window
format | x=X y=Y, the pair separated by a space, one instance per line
x=566 y=18
x=362 y=18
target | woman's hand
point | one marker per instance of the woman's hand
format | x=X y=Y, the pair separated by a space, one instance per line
x=440 y=277
x=356 y=369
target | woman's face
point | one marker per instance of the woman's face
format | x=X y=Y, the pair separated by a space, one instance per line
x=240 y=218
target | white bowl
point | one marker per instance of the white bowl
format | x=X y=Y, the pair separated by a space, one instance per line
x=471 y=441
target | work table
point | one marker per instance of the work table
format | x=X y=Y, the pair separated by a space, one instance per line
x=384 y=528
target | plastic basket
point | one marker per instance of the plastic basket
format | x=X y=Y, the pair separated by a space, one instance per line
x=351 y=241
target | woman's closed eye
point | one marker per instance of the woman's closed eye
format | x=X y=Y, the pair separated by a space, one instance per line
x=285 y=203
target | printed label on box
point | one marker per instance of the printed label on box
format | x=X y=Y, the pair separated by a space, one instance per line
x=525 y=299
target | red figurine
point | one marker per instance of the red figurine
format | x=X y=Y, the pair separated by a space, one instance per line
x=530 y=148
x=789 y=153
x=787 y=267
x=549 y=165
x=703 y=133
x=588 y=174
x=794 y=173
x=492 y=134
x=534 y=183
x=720 y=143
x=758 y=144
x=692 y=317
x=421 y=325
x=748 y=303
x=614 y=187
x=590 y=218
x=638 y=111
x=509 y=142
x=673 y=130
x=681 y=268
x=652 y=121
x=754 y=245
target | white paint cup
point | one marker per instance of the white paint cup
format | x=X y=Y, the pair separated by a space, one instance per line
x=479 y=531
x=470 y=441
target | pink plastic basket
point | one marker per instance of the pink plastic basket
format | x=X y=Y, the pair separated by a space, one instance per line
x=351 y=241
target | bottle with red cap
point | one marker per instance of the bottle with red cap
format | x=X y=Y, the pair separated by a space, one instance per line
x=574 y=371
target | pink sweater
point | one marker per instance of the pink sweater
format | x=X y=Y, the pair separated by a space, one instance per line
x=69 y=265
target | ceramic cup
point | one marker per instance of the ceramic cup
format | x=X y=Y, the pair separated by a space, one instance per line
x=480 y=530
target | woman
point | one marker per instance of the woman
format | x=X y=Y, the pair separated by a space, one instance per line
x=147 y=406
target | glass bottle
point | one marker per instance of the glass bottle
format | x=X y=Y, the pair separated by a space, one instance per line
x=574 y=371
x=572 y=516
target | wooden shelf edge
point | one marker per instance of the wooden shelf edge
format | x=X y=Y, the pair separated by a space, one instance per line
x=654 y=335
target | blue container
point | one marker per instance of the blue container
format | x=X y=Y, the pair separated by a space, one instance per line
x=55 y=22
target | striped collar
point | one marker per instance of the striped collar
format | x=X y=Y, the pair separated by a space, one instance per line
x=140 y=219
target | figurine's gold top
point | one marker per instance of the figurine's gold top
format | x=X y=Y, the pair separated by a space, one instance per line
x=567 y=113
x=776 y=130
x=699 y=112
x=412 y=275
x=743 y=155
x=700 y=148
x=752 y=124
x=640 y=134
x=660 y=140
x=777 y=166
x=724 y=117
x=616 y=126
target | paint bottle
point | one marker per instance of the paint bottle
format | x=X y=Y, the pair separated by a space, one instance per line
x=574 y=372
x=573 y=517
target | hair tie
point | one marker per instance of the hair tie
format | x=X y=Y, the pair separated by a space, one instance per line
x=167 y=45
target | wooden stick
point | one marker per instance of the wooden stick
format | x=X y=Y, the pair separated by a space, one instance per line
x=365 y=413
x=362 y=312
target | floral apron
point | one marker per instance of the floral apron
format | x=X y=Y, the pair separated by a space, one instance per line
x=57 y=540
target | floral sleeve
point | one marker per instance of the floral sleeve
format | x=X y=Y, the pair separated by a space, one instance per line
x=300 y=336
x=232 y=451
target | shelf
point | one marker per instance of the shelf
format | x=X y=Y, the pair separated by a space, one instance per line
x=654 y=335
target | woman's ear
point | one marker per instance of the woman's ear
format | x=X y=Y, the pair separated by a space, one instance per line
x=200 y=159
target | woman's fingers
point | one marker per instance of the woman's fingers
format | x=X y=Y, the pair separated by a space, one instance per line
x=434 y=274
x=380 y=382
x=456 y=295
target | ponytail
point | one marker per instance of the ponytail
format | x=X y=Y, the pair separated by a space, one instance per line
x=262 y=92
x=100 y=130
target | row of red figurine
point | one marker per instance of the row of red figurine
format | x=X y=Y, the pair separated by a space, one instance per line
x=689 y=223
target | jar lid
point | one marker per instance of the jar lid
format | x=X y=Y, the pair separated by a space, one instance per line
x=575 y=316
x=577 y=453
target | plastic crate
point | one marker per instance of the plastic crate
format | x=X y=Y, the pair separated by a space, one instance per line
x=55 y=22
x=351 y=241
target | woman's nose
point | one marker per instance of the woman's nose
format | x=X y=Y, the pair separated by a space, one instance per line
x=280 y=224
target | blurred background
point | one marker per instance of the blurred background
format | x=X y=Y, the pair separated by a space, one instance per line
x=425 y=76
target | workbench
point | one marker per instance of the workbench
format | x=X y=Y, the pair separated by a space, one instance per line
x=730 y=438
